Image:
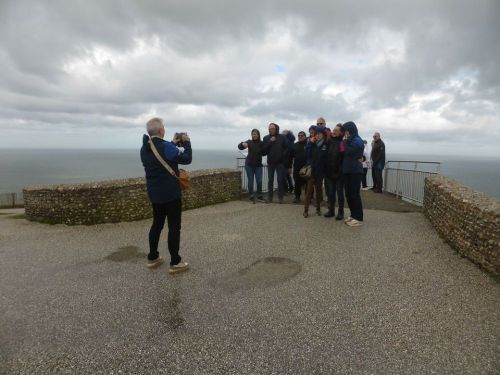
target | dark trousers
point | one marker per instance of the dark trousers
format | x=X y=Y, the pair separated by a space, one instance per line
x=336 y=189
x=172 y=212
x=352 y=185
x=314 y=183
x=254 y=172
x=327 y=184
x=280 y=171
x=363 y=181
x=378 y=182
x=299 y=184
x=288 y=181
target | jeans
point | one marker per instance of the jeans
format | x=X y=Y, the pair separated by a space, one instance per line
x=314 y=183
x=172 y=212
x=378 y=182
x=254 y=172
x=280 y=172
x=352 y=184
x=336 y=188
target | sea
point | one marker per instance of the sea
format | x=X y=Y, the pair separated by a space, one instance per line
x=20 y=168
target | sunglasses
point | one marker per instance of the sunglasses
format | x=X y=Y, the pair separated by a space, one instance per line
x=320 y=124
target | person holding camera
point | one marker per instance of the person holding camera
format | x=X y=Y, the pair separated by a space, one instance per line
x=164 y=189
x=253 y=164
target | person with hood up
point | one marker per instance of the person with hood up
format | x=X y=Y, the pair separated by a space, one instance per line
x=164 y=190
x=275 y=147
x=352 y=169
x=333 y=173
x=298 y=158
x=253 y=164
x=316 y=154
x=290 y=138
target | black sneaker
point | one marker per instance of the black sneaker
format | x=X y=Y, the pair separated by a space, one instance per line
x=340 y=215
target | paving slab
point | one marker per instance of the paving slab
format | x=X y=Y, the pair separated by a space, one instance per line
x=269 y=292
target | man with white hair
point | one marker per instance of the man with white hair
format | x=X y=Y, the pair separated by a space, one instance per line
x=164 y=190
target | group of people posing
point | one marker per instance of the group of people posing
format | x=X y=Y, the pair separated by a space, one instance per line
x=333 y=158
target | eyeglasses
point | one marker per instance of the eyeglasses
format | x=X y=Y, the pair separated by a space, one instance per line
x=320 y=124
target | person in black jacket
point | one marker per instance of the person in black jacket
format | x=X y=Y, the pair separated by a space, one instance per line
x=164 y=191
x=288 y=182
x=298 y=160
x=378 y=162
x=333 y=172
x=253 y=164
x=275 y=147
x=316 y=154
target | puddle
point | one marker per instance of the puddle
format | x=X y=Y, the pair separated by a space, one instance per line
x=169 y=313
x=263 y=273
x=126 y=254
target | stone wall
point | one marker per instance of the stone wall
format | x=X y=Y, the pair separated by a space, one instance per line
x=468 y=220
x=122 y=200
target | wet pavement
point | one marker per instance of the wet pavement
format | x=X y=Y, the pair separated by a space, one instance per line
x=268 y=292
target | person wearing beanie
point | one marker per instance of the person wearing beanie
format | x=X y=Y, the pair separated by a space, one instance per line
x=352 y=169
x=316 y=152
x=253 y=164
x=333 y=173
x=298 y=157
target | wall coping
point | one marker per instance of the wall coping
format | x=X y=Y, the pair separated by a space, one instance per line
x=107 y=184
x=467 y=194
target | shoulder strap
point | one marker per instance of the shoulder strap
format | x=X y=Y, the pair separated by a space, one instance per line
x=160 y=159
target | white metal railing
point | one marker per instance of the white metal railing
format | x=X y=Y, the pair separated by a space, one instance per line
x=240 y=164
x=11 y=200
x=406 y=179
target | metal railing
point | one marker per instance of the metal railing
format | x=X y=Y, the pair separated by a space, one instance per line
x=406 y=179
x=8 y=200
x=240 y=164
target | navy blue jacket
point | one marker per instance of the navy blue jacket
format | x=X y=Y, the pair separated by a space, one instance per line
x=354 y=147
x=317 y=157
x=162 y=186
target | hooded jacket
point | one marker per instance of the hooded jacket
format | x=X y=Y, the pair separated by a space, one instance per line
x=254 y=157
x=276 y=151
x=290 y=138
x=354 y=147
x=335 y=157
x=161 y=185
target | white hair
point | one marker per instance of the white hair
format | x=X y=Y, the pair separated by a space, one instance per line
x=154 y=126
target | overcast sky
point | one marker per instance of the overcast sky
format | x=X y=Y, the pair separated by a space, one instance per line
x=89 y=74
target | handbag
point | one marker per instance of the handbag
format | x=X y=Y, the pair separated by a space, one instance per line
x=305 y=171
x=183 y=178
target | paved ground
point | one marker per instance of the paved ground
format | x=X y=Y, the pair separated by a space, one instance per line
x=268 y=292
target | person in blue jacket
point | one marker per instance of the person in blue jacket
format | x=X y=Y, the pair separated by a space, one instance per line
x=352 y=169
x=164 y=191
x=316 y=157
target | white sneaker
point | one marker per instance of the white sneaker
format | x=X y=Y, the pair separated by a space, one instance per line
x=354 y=223
x=348 y=219
x=155 y=263
x=179 y=267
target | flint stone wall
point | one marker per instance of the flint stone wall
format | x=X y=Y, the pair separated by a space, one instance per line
x=469 y=220
x=122 y=200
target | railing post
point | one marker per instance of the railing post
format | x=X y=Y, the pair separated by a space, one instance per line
x=13 y=195
x=397 y=179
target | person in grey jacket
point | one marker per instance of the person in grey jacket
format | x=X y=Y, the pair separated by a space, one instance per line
x=378 y=162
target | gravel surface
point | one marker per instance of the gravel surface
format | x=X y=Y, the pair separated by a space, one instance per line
x=269 y=292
